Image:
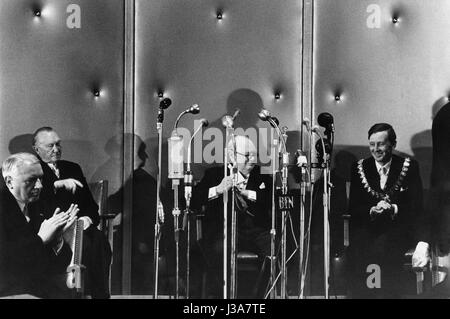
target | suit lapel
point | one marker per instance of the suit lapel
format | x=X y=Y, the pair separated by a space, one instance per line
x=253 y=179
x=373 y=177
x=394 y=171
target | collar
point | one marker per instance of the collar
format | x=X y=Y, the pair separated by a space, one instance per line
x=21 y=205
x=387 y=166
x=241 y=179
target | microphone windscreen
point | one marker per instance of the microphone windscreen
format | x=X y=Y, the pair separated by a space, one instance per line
x=325 y=119
x=204 y=122
x=194 y=109
x=164 y=104
x=264 y=115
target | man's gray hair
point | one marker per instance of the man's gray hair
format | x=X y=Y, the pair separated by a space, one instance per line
x=16 y=160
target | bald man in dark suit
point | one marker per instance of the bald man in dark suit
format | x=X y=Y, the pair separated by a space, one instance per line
x=34 y=250
x=64 y=183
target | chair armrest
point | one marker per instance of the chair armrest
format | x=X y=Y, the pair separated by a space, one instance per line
x=107 y=216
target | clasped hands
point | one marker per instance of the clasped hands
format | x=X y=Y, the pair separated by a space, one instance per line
x=227 y=183
x=383 y=207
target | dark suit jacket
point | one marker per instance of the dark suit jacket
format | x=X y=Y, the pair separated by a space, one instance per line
x=384 y=238
x=213 y=208
x=26 y=264
x=62 y=198
x=440 y=178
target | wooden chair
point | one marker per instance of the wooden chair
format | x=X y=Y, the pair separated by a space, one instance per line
x=99 y=190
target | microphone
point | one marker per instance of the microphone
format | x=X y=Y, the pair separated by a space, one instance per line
x=188 y=172
x=326 y=120
x=194 y=109
x=302 y=163
x=265 y=115
x=164 y=104
x=188 y=176
x=176 y=162
x=228 y=121
x=307 y=123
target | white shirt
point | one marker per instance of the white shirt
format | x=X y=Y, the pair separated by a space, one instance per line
x=383 y=176
x=241 y=184
x=54 y=169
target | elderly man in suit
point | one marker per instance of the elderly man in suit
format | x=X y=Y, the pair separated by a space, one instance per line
x=34 y=251
x=253 y=203
x=64 y=183
x=387 y=218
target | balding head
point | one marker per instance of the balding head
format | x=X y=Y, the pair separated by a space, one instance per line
x=47 y=144
x=22 y=173
x=246 y=154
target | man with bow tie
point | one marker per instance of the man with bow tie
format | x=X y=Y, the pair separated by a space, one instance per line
x=64 y=183
x=387 y=218
x=253 y=198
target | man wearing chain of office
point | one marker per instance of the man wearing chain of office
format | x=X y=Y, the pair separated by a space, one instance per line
x=387 y=219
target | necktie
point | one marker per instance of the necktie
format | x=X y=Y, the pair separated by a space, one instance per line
x=25 y=213
x=383 y=177
x=54 y=169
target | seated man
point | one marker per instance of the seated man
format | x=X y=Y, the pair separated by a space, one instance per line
x=440 y=202
x=386 y=218
x=34 y=252
x=252 y=202
x=64 y=183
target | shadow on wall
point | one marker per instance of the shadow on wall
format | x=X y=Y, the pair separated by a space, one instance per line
x=248 y=101
x=21 y=143
x=422 y=145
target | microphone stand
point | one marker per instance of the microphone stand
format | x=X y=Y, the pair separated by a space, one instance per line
x=187 y=217
x=233 y=272
x=273 y=231
x=284 y=176
x=284 y=179
x=229 y=136
x=302 y=226
x=188 y=177
x=159 y=206
x=326 y=211
x=175 y=143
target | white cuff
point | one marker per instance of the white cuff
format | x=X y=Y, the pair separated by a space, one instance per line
x=87 y=221
x=422 y=247
x=252 y=195
x=212 y=193
x=57 y=248
x=395 y=208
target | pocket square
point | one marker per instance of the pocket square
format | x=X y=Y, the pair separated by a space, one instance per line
x=262 y=186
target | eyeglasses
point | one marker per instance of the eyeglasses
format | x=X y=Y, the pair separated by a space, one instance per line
x=248 y=155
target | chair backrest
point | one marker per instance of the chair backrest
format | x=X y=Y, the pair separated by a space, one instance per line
x=99 y=190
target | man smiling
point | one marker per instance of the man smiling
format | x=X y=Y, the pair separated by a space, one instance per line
x=387 y=217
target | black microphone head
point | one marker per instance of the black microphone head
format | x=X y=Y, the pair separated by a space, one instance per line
x=264 y=115
x=194 y=109
x=275 y=120
x=164 y=104
x=325 y=119
x=204 y=122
